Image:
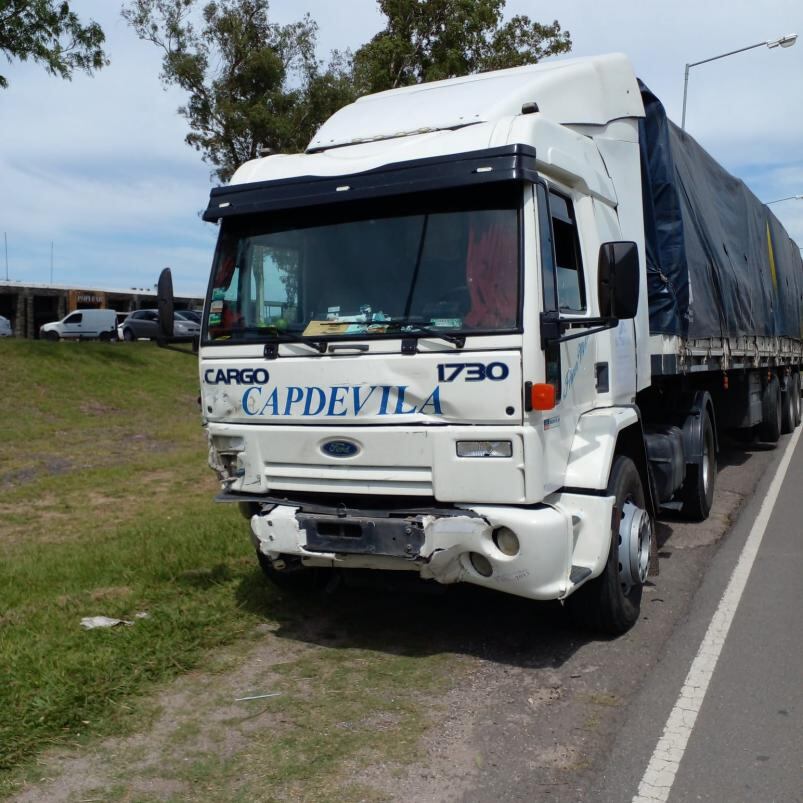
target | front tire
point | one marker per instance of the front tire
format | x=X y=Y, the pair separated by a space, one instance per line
x=128 y=335
x=611 y=603
x=52 y=336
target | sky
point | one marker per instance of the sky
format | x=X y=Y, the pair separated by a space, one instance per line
x=96 y=170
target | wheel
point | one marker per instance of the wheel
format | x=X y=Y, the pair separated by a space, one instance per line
x=128 y=335
x=787 y=408
x=294 y=577
x=697 y=494
x=796 y=398
x=611 y=602
x=52 y=336
x=105 y=337
x=769 y=430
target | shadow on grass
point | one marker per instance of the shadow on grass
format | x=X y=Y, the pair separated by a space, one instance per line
x=399 y=614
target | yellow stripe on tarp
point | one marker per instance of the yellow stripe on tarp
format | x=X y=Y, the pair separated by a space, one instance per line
x=772 y=260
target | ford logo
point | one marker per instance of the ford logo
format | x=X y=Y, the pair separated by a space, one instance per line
x=340 y=448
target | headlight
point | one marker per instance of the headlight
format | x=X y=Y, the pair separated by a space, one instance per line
x=484 y=449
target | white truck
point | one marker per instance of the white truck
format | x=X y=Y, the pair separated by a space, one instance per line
x=482 y=331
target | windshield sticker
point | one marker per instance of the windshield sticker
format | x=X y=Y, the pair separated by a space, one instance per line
x=342 y=328
x=312 y=401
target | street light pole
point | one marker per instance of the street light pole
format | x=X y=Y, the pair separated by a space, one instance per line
x=784 y=41
x=788 y=198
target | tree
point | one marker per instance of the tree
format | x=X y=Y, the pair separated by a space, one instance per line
x=48 y=32
x=427 y=40
x=252 y=84
x=255 y=85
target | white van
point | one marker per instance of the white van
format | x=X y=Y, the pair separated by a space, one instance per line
x=82 y=324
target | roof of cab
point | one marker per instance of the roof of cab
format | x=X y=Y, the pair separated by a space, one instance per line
x=592 y=90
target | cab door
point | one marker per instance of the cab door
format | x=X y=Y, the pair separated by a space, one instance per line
x=568 y=366
x=73 y=325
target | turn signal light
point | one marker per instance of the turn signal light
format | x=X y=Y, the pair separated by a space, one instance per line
x=542 y=396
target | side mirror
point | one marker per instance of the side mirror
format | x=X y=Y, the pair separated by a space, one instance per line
x=164 y=300
x=618 y=280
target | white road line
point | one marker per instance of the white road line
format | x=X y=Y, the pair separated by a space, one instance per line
x=656 y=784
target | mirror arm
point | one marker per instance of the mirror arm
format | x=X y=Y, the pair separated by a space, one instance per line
x=552 y=328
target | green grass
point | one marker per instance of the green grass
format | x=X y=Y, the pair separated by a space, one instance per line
x=106 y=509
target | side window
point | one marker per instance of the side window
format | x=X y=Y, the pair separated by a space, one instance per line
x=76 y=318
x=548 y=278
x=569 y=264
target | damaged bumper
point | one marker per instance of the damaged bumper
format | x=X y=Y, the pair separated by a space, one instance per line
x=540 y=552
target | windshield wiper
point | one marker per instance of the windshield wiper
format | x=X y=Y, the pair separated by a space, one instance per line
x=273 y=339
x=413 y=329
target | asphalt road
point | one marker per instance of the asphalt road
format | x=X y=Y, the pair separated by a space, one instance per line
x=554 y=714
x=746 y=742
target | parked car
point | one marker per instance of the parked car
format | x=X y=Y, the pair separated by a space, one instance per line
x=5 y=327
x=193 y=314
x=140 y=323
x=185 y=323
x=144 y=323
x=82 y=324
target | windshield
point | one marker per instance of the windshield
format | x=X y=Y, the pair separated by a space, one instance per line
x=445 y=261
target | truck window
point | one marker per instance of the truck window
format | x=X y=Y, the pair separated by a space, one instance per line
x=569 y=273
x=76 y=317
x=548 y=278
x=446 y=259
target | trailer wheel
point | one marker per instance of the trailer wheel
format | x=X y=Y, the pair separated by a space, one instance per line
x=769 y=430
x=796 y=397
x=295 y=578
x=611 y=602
x=697 y=494
x=788 y=408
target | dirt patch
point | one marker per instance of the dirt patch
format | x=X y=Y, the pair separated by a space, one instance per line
x=198 y=717
x=94 y=407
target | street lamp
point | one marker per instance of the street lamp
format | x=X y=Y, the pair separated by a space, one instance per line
x=788 y=198
x=784 y=41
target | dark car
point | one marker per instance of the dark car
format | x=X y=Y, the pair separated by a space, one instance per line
x=144 y=323
x=141 y=323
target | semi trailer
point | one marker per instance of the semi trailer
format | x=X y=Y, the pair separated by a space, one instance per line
x=486 y=329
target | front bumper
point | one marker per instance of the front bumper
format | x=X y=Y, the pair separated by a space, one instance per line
x=562 y=543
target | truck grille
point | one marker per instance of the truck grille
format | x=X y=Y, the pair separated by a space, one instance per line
x=414 y=480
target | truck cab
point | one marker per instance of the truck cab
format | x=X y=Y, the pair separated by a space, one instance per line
x=423 y=339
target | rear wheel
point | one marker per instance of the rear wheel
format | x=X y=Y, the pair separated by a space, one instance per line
x=769 y=430
x=611 y=602
x=697 y=494
x=105 y=337
x=796 y=398
x=787 y=408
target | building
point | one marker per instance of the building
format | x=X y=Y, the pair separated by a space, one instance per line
x=28 y=306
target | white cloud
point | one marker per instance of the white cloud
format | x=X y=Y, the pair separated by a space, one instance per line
x=99 y=165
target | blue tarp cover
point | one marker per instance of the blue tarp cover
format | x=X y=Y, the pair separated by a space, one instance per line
x=719 y=263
